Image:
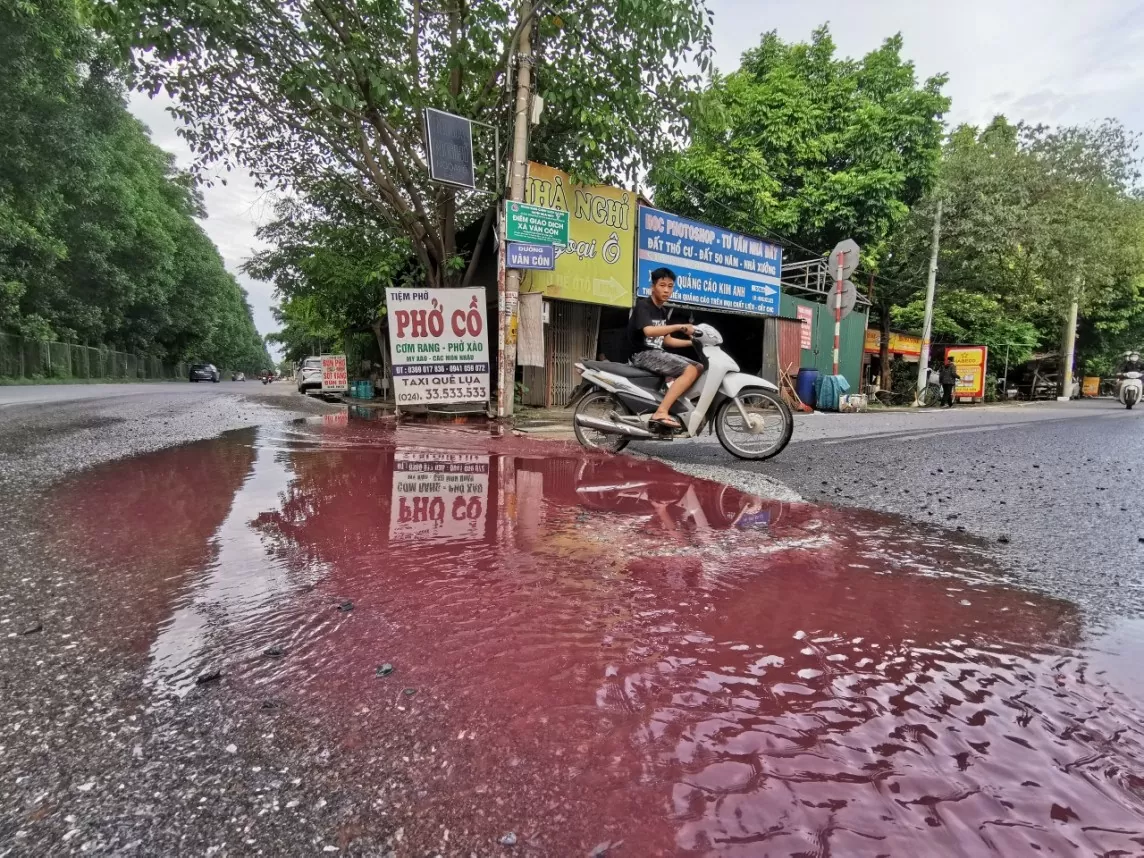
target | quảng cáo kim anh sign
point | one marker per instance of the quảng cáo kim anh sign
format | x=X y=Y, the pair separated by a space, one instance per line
x=714 y=267
x=439 y=345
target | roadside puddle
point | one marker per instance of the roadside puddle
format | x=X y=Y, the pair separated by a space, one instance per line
x=498 y=635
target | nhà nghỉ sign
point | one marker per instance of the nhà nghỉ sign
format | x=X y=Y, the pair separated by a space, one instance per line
x=439 y=345
x=970 y=362
x=335 y=379
x=595 y=264
x=714 y=267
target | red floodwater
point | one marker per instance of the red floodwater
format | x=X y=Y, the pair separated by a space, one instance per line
x=602 y=649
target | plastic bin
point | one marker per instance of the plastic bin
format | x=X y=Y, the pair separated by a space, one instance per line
x=805 y=383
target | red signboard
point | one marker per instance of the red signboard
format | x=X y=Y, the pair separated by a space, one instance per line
x=334 y=376
x=806 y=316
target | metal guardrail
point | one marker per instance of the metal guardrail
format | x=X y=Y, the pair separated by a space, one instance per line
x=23 y=358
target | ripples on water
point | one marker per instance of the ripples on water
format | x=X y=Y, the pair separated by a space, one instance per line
x=604 y=649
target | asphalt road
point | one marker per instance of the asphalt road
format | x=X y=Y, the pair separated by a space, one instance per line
x=93 y=764
x=1054 y=488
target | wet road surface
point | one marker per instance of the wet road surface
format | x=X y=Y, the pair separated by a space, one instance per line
x=330 y=635
x=1054 y=488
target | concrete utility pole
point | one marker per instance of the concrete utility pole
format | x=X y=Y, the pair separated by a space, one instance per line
x=518 y=168
x=1065 y=393
x=931 y=283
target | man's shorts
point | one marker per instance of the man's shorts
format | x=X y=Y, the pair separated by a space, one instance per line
x=663 y=363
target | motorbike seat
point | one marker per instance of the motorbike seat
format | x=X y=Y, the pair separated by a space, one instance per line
x=626 y=370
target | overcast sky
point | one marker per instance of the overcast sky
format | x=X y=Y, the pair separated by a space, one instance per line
x=1051 y=61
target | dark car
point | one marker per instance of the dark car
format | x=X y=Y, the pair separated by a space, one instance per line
x=205 y=372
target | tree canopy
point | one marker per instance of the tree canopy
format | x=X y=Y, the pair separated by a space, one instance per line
x=807 y=146
x=328 y=93
x=1032 y=217
x=99 y=242
x=330 y=265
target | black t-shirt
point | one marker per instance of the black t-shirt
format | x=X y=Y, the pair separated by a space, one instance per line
x=646 y=313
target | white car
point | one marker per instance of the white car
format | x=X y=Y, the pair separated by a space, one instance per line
x=310 y=374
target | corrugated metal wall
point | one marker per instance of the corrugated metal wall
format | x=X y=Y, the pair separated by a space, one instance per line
x=570 y=336
x=850 y=346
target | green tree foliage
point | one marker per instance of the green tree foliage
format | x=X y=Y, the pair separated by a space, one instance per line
x=330 y=261
x=971 y=317
x=98 y=236
x=809 y=146
x=329 y=93
x=1032 y=216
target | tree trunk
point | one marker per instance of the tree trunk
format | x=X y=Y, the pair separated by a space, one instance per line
x=449 y=236
x=884 y=349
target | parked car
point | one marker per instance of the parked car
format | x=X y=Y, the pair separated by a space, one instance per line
x=238 y=376
x=205 y=372
x=310 y=374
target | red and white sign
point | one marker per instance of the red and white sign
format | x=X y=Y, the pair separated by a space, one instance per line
x=335 y=379
x=806 y=316
x=438 y=495
x=439 y=342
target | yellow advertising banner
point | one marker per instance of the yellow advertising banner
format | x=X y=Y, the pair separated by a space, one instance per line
x=902 y=344
x=597 y=264
x=970 y=362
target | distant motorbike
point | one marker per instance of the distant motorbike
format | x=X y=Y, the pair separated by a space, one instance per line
x=615 y=402
x=1130 y=388
x=266 y=379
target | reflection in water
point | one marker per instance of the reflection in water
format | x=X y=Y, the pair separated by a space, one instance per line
x=239 y=586
x=602 y=649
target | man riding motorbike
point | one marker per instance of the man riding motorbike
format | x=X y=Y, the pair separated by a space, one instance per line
x=649 y=332
x=1131 y=363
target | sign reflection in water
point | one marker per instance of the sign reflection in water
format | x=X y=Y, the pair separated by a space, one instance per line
x=665 y=660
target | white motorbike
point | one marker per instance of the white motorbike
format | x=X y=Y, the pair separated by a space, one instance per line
x=615 y=402
x=1129 y=389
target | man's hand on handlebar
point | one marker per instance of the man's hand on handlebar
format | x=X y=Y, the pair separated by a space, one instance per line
x=686 y=330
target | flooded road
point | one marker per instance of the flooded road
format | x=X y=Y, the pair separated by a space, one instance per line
x=505 y=647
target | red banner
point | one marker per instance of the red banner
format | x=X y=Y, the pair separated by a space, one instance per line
x=335 y=379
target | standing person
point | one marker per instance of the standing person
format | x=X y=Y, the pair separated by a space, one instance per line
x=649 y=332
x=949 y=377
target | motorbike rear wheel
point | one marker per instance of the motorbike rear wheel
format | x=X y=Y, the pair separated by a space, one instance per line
x=601 y=405
x=755 y=442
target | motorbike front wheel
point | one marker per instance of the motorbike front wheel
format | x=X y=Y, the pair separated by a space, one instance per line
x=600 y=405
x=766 y=431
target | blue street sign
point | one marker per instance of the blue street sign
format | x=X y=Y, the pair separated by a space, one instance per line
x=714 y=267
x=541 y=256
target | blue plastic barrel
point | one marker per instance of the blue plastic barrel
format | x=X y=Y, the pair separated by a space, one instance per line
x=804 y=384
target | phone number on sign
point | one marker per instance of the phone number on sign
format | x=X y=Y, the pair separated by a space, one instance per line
x=455 y=393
